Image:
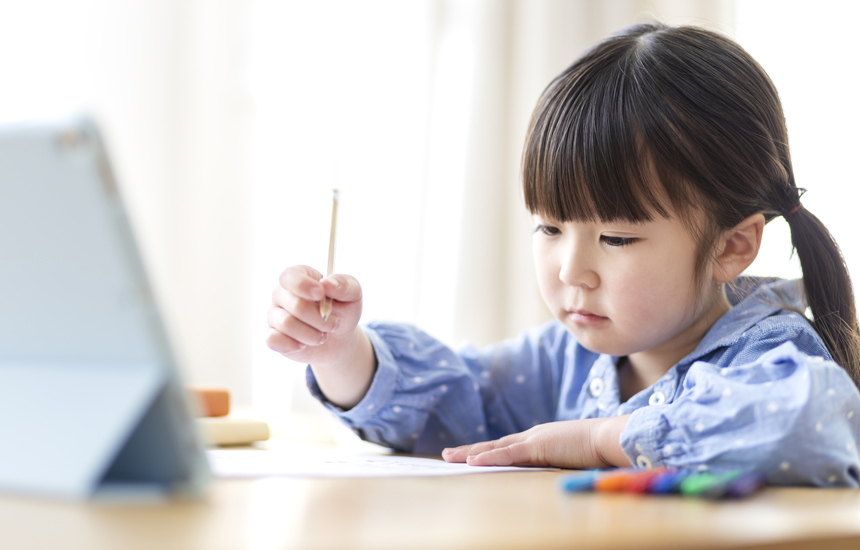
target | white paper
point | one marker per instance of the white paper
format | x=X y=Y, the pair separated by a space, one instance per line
x=245 y=463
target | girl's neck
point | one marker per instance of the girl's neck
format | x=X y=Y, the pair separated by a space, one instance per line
x=642 y=369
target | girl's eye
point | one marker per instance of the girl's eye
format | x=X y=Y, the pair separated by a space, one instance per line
x=547 y=230
x=617 y=241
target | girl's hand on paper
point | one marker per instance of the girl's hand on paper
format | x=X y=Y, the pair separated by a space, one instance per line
x=297 y=330
x=590 y=443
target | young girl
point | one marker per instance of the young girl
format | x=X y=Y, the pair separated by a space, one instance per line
x=651 y=166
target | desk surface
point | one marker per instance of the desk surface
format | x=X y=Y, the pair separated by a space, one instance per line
x=499 y=511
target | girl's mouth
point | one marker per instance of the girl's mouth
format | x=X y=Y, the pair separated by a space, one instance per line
x=586 y=318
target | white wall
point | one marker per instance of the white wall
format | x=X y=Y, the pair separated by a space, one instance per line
x=810 y=51
x=341 y=100
x=230 y=120
x=162 y=78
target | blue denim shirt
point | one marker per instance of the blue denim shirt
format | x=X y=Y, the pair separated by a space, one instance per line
x=759 y=393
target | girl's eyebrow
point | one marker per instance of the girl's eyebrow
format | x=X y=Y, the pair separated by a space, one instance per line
x=624 y=223
x=548 y=219
x=625 y=230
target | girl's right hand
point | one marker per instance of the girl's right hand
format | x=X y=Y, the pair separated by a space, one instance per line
x=297 y=330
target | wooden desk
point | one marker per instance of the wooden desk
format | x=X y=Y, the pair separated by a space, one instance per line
x=498 y=511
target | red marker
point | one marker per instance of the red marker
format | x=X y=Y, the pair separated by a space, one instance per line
x=641 y=481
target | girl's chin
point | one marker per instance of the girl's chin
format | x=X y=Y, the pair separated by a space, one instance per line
x=603 y=344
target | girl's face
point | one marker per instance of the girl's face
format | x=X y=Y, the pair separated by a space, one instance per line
x=622 y=288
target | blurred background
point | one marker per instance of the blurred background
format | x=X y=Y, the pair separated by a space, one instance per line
x=229 y=121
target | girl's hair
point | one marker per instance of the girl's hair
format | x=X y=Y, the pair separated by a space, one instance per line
x=684 y=115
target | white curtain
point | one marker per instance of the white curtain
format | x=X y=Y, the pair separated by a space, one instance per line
x=164 y=80
x=230 y=120
x=444 y=240
x=810 y=53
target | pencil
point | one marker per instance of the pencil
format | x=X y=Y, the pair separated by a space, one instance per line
x=325 y=303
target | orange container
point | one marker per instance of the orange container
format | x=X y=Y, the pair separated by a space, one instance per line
x=210 y=401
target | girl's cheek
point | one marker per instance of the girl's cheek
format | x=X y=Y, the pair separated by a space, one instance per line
x=637 y=299
x=548 y=290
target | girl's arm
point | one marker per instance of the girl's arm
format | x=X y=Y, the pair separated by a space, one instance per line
x=425 y=396
x=339 y=351
x=397 y=386
x=346 y=380
x=768 y=407
x=788 y=415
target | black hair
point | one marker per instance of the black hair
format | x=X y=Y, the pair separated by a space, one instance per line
x=658 y=120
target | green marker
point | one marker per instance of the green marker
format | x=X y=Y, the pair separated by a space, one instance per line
x=707 y=485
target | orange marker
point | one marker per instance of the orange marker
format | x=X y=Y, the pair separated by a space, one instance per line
x=614 y=482
x=627 y=480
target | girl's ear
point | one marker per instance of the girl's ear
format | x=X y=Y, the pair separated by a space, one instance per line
x=738 y=247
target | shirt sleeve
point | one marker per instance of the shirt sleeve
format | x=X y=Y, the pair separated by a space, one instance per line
x=425 y=396
x=793 y=417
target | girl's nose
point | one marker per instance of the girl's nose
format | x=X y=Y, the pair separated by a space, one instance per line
x=577 y=271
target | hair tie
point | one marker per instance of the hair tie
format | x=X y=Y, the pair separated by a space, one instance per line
x=794 y=210
x=797 y=207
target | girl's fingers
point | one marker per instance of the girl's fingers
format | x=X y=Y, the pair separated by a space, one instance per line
x=517 y=453
x=282 y=343
x=455 y=454
x=300 y=292
x=303 y=281
x=343 y=288
x=306 y=311
x=289 y=325
x=459 y=454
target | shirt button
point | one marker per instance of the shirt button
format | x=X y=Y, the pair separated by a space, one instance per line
x=644 y=462
x=596 y=387
x=657 y=398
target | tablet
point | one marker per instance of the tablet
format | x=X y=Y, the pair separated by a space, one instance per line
x=90 y=394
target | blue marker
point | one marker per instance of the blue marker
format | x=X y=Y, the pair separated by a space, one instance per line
x=668 y=482
x=579 y=482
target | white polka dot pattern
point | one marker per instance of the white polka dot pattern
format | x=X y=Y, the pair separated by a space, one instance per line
x=596 y=386
x=754 y=389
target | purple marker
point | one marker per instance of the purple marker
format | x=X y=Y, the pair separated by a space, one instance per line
x=744 y=485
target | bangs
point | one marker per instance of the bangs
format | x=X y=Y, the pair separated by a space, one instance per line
x=586 y=157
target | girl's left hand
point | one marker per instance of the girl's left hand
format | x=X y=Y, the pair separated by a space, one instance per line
x=590 y=443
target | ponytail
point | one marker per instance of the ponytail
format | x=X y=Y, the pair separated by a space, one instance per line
x=827 y=285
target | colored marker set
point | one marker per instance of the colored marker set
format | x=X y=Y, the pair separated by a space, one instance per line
x=663 y=481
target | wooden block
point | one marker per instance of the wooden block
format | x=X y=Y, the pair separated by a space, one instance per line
x=232 y=431
x=211 y=401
